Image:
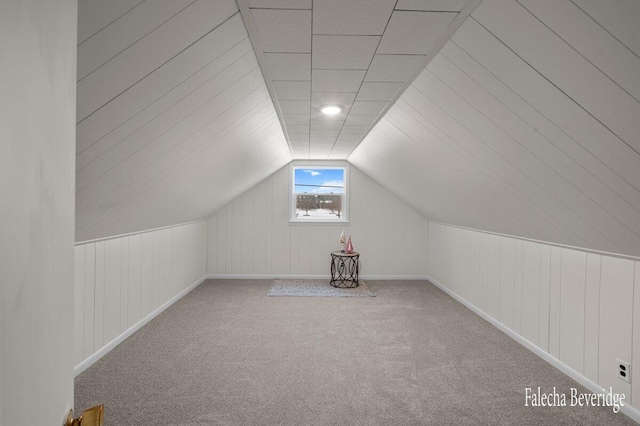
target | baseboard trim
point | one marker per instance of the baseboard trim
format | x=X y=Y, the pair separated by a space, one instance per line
x=309 y=277
x=263 y=276
x=628 y=410
x=115 y=342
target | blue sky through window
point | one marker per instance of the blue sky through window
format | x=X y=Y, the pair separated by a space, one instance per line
x=319 y=181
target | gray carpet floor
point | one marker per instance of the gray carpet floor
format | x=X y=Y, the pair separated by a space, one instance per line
x=315 y=288
x=226 y=354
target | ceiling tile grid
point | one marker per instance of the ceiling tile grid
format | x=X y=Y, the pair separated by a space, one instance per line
x=333 y=52
x=343 y=52
x=296 y=38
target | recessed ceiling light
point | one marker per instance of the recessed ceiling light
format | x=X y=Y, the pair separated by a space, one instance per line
x=331 y=109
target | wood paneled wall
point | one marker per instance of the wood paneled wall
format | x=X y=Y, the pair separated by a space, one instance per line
x=525 y=123
x=582 y=308
x=171 y=105
x=120 y=281
x=252 y=234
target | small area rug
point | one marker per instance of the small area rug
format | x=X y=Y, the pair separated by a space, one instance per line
x=317 y=288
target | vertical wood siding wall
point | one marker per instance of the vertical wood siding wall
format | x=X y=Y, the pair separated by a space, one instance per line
x=119 y=281
x=582 y=308
x=252 y=234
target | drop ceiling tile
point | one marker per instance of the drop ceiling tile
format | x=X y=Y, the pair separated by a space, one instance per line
x=360 y=120
x=289 y=66
x=293 y=90
x=361 y=17
x=316 y=115
x=323 y=142
x=393 y=68
x=298 y=138
x=351 y=130
x=295 y=107
x=301 y=147
x=327 y=124
x=336 y=80
x=299 y=129
x=377 y=91
x=329 y=98
x=324 y=133
x=343 y=52
x=304 y=144
x=320 y=149
x=297 y=37
x=414 y=32
x=431 y=5
x=280 y=4
x=367 y=108
x=345 y=147
x=296 y=120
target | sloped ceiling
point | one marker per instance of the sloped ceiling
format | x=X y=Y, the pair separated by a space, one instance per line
x=527 y=122
x=173 y=115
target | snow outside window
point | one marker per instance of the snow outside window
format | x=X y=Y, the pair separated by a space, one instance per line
x=319 y=193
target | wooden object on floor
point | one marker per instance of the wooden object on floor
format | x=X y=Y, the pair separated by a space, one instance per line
x=90 y=417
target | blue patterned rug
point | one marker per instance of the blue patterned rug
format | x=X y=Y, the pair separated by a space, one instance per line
x=315 y=288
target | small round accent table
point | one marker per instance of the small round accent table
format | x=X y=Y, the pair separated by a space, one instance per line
x=344 y=269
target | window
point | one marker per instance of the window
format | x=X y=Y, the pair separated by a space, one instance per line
x=319 y=193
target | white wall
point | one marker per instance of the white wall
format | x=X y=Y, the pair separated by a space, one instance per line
x=525 y=123
x=582 y=308
x=171 y=105
x=252 y=234
x=37 y=146
x=121 y=282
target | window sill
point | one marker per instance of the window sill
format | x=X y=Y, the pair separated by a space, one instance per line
x=340 y=222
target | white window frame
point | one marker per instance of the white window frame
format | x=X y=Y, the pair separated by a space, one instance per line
x=318 y=164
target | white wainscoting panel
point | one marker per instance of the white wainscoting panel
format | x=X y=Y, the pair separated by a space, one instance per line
x=636 y=336
x=572 y=315
x=579 y=307
x=252 y=234
x=531 y=289
x=123 y=282
x=616 y=320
